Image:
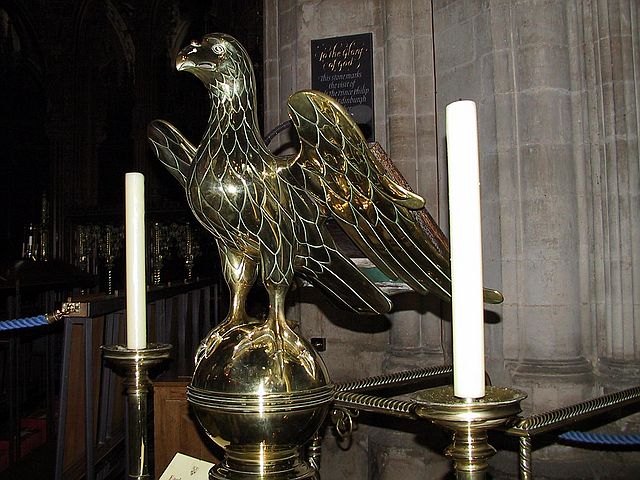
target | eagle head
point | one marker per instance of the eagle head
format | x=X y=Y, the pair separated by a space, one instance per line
x=220 y=62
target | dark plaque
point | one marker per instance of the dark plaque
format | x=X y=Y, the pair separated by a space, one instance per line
x=342 y=67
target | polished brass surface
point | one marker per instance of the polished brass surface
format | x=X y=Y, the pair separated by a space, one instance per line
x=470 y=419
x=134 y=365
x=314 y=451
x=259 y=390
x=68 y=309
x=344 y=421
x=561 y=417
x=553 y=420
x=396 y=379
x=371 y=403
x=524 y=458
x=74 y=309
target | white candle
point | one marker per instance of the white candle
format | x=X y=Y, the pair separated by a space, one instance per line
x=466 y=250
x=135 y=260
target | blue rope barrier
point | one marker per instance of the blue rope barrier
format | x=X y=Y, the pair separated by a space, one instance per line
x=23 y=322
x=600 y=438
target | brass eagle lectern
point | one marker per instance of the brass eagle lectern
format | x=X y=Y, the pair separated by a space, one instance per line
x=259 y=389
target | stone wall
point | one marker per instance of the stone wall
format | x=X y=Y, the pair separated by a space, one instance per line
x=556 y=83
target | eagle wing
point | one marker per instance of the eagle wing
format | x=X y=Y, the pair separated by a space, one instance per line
x=337 y=167
x=172 y=148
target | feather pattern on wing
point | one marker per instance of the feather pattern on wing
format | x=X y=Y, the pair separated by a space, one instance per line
x=172 y=149
x=269 y=213
x=337 y=166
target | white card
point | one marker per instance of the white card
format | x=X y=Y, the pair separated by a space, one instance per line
x=184 y=467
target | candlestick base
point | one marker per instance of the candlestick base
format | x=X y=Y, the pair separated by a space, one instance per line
x=470 y=419
x=134 y=366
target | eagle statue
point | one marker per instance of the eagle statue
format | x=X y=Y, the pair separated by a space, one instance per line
x=259 y=389
x=269 y=213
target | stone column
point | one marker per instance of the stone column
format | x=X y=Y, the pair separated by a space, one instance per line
x=408 y=133
x=271 y=71
x=538 y=141
x=612 y=44
x=410 y=124
x=287 y=66
x=464 y=65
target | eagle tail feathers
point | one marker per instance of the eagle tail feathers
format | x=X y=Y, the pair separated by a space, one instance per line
x=342 y=281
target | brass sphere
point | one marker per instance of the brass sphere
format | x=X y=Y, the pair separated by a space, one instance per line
x=260 y=392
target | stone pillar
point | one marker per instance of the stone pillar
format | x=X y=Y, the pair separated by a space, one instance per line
x=410 y=123
x=516 y=59
x=464 y=70
x=612 y=44
x=287 y=55
x=538 y=146
x=271 y=70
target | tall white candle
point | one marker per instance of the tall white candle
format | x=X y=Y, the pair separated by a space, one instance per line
x=135 y=260
x=466 y=250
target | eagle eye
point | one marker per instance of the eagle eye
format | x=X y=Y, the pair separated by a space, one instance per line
x=218 y=49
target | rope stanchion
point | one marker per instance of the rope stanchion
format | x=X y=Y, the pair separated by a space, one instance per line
x=601 y=438
x=27 y=322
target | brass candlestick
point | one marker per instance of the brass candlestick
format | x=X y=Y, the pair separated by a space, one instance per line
x=134 y=366
x=470 y=419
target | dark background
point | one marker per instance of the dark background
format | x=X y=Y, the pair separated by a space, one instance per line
x=79 y=83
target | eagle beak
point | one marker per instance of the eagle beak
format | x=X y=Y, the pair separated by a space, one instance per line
x=183 y=63
x=184 y=59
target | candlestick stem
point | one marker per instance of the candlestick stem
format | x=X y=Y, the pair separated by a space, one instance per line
x=134 y=366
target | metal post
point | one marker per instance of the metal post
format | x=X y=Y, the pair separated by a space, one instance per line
x=525 y=458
